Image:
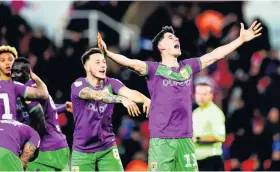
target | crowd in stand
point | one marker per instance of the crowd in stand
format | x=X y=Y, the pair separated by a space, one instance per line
x=246 y=82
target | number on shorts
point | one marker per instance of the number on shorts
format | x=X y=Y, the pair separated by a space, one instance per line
x=188 y=160
x=116 y=154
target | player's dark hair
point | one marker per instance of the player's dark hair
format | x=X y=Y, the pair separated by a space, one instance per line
x=22 y=60
x=25 y=61
x=205 y=84
x=160 y=36
x=88 y=53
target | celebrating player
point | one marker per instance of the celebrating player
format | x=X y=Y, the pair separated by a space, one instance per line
x=17 y=139
x=170 y=86
x=9 y=90
x=54 y=151
x=7 y=56
x=92 y=97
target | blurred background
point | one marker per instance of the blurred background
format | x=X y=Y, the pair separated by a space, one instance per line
x=53 y=36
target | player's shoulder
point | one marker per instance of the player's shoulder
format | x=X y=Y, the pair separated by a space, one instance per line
x=110 y=80
x=16 y=83
x=189 y=60
x=6 y=83
x=31 y=83
x=12 y=122
x=154 y=63
x=79 y=82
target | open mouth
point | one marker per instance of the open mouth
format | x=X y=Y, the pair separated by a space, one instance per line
x=8 y=68
x=102 y=71
x=177 y=46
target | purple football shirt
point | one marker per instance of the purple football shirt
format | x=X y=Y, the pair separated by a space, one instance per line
x=14 y=135
x=171 y=91
x=9 y=91
x=54 y=139
x=93 y=120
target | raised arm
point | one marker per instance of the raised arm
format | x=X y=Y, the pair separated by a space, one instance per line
x=106 y=97
x=222 y=51
x=103 y=96
x=41 y=92
x=137 y=65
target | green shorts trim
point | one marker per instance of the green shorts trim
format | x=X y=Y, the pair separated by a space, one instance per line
x=9 y=161
x=51 y=161
x=172 y=155
x=107 y=160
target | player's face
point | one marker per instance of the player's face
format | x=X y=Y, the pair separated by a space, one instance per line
x=203 y=95
x=96 y=66
x=19 y=73
x=6 y=61
x=170 y=45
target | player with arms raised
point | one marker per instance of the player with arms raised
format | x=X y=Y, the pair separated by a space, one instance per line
x=92 y=97
x=170 y=86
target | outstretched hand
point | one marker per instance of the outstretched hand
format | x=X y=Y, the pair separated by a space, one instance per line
x=101 y=44
x=69 y=107
x=251 y=33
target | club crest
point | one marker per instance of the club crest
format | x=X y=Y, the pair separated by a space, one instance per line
x=76 y=169
x=184 y=73
x=154 y=166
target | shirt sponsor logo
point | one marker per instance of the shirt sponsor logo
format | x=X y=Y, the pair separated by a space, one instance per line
x=169 y=82
x=100 y=109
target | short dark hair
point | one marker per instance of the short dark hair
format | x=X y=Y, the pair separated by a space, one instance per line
x=88 y=53
x=22 y=60
x=205 y=84
x=160 y=36
x=25 y=61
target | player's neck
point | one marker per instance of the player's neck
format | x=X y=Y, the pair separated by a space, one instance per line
x=95 y=82
x=169 y=61
x=5 y=77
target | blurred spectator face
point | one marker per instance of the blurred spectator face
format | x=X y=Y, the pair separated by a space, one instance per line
x=254 y=70
x=273 y=54
x=177 y=21
x=258 y=127
x=170 y=45
x=140 y=156
x=273 y=115
x=33 y=60
x=3 y=30
x=6 y=61
x=203 y=94
x=96 y=66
